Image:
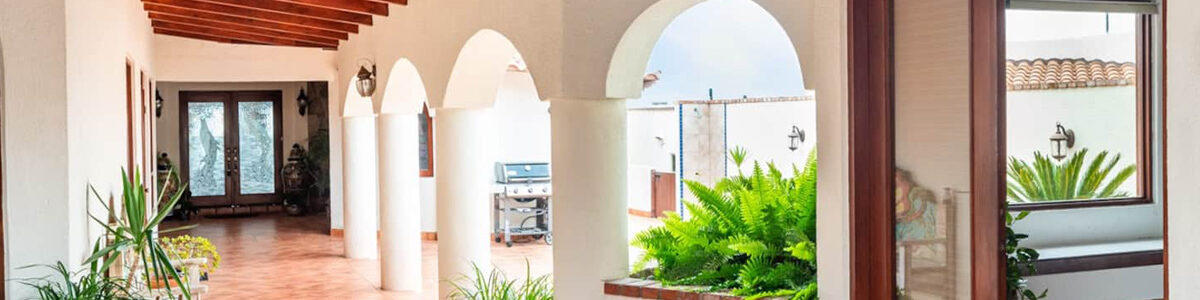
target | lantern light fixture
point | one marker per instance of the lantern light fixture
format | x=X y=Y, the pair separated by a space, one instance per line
x=366 y=79
x=158 y=104
x=1062 y=140
x=795 y=138
x=302 y=101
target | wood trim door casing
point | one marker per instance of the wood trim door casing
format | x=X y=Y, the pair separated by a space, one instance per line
x=871 y=145
x=231 y=98
x=987 y=109
x=1162 y=39
x=129 y=118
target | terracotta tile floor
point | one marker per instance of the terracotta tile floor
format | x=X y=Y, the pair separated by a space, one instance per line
x=272 y=256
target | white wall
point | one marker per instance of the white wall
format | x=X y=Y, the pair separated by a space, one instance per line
x=295 y=126
x=35 y=138
x=1183 y=128
x=653 y=144
x=1113 y=284
x=763 y=128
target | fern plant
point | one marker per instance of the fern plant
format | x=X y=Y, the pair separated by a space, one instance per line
x=1046 y=180
x=752 y=235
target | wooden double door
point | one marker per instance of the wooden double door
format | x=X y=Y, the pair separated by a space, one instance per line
x=231 y=147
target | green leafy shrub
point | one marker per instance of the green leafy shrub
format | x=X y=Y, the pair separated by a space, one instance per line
x=1020 y=261
x=495 y=285
x=753 y=235
x=87 y=284
x=1046 y=180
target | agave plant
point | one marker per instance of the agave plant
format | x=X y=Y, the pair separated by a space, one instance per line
x=1046 y=180
x=496 y=286
x=752 y=235
x=134 y=235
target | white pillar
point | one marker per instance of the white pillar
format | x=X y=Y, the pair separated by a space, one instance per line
x=399 y=206
x=463 y=162
x=589 y=165
x=360 y=205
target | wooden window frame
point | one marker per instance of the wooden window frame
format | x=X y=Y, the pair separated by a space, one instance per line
x=1146 y=171
x=427 y=169
x=129 y=119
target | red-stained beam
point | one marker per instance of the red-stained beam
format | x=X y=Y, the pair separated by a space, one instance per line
x=233 y=35
x=258 y=15
x=197 y=36
x=400 y=2
x=358 y=6
x=214 y=17
x=300 y=10
x=241 y=28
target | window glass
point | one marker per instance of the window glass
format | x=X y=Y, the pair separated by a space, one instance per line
x=1075 y=121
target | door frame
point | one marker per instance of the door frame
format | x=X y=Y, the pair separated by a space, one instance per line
x=871 y=105
x=231 y=98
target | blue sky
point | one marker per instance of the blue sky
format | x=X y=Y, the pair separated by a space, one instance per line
x=732 y=46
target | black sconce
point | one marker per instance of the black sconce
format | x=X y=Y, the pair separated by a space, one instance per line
x=158 y=104
x=795 y=138
x=1062 y=140
x=303 y=102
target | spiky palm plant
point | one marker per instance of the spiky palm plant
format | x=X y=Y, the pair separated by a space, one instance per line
x=135 y=235
x=753 y=235
x=86 y=284
x=1046 y=180
x=495 y=285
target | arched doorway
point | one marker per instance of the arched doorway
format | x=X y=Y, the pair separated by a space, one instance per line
x=726 y=75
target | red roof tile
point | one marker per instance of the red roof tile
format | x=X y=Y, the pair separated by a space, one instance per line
x=1048 y=74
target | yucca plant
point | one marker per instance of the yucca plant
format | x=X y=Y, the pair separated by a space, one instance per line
x=134 y=235
x=495 y=285
x=1046 y=180
x=752 y=235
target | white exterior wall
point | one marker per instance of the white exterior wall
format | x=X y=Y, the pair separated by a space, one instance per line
x=647 y=153
x=1113 y=284
x=763 y=128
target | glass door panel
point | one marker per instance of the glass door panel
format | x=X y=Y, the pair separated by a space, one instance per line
x=932 y=149
x=256 y=148
x=206 y=148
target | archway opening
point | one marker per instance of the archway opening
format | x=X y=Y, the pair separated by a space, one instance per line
x=720 y=102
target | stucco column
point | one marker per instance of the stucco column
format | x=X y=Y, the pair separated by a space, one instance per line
x=463 y=159
x=589 y=165
x=399 y=203
x=360 y=205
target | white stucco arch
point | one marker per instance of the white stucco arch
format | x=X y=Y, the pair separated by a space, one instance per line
x=355 y=105
x=479 y=70
x=404 y=92
x=632 y=53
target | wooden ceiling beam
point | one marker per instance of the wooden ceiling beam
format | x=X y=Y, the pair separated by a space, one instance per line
x=154 y=16
x=258 y=15
x=300 y=10
x=400 y=2
x=220 y=33
x=227 y=19
x=358 y=6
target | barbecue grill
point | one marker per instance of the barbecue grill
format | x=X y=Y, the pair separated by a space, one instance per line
x=523 y=191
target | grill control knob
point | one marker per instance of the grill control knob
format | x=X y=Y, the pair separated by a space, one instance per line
x=530 y=190
x=545 y=189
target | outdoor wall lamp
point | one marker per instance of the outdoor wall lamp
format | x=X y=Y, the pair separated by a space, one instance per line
x=303 y=102
x=796 y=137
x=1062 y=140
x=158 y=103
x=366 y=80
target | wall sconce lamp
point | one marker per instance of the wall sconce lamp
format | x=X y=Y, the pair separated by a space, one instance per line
x=1062 y=140
x=366 y=80
x=796 y=137
x=302 y=101
x=158 y=104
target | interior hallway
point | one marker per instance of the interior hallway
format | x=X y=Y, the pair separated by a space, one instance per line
x=273 y=256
